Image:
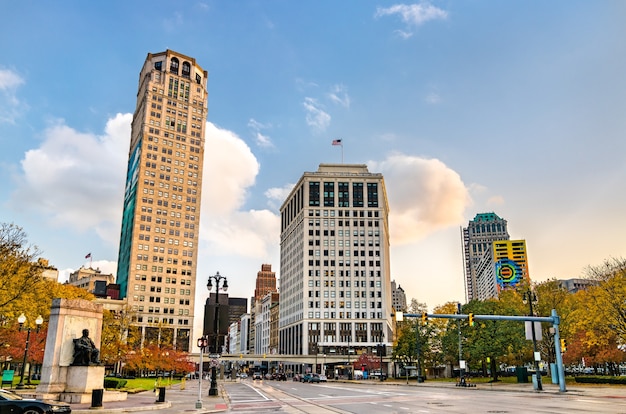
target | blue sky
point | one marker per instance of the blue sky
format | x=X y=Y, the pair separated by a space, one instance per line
x=516 y=107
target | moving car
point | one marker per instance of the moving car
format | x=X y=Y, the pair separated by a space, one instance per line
x=11 y=402
x=257 y=375
x=311 y=378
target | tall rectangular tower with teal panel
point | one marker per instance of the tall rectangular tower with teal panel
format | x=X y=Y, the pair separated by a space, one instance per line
x=161 y=213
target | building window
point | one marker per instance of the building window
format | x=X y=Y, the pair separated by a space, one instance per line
x=372 y=194
x=357 y=194
x=314 y=194
x=174 y=65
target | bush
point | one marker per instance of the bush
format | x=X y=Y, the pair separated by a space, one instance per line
x=598 y=379
x=114 y=383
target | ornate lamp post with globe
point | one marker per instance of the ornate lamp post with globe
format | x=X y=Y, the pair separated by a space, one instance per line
x=22 y=320
x=219 y=279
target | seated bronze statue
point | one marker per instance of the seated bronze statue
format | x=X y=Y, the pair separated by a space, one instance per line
x=85 y=351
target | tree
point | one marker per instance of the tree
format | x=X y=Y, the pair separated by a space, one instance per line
x=610 y=295
x=18 y=271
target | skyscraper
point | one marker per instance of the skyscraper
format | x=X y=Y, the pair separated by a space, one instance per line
x=477 y=239
x=335 y=287
x=503 y=265
x=160 y=223
x=265 y=282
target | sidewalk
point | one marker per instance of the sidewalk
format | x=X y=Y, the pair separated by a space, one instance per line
x=176 y=401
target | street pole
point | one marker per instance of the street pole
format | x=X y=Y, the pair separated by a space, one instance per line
x=531 y=297
x=216 y=323
x=202 y=343
x=461 y=370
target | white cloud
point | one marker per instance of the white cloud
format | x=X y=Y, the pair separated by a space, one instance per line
x=339 y=95
x=425 y=195
x=316 y=117
x=412 y=15
x=433 y=98
x=260 y=139
x=10 y=106
x=278 y=195
x=230 y=169
x=77 y=179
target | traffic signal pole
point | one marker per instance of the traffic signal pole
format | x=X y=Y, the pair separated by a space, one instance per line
x=554 y=319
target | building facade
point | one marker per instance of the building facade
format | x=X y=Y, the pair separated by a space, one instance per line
x=477 y=239
x=91 y=280
x=335 y=294
x=398 y=297
x=161 y=213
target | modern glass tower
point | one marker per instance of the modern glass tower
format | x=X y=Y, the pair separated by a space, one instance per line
x=160 y=224
x=335 y=287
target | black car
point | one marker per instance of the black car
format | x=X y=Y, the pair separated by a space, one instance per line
x=11 y=402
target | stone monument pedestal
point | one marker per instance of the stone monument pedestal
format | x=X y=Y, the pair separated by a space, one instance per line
x=60 y=380
x=81 y=381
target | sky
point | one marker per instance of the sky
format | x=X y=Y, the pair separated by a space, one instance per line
x=465 y=107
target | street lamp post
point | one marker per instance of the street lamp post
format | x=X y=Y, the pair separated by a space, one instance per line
x=381 y=348
x=530 y=298
x=21 y=320
x=219 y=279
x=202 y=344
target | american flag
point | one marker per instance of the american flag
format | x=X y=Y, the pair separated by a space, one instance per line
x=88 y=256
x=336 y=142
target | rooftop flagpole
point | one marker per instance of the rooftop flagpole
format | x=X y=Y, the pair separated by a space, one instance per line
x=338 y=142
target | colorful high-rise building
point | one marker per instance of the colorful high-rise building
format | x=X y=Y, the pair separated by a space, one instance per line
x=335 y=287
x=161 y=215
x=503 y=265
x=477 y=239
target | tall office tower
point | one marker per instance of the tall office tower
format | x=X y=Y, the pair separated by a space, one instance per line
x=236 y=308
x=160 y=223
x=477 y=238
x=335 y=286
x=398 y=297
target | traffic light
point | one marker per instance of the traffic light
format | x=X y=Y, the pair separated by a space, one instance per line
x=471 y=319
x=424 y=317
x=563 y=345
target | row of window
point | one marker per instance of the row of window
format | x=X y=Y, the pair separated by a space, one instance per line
x=168 y=280
x=144 y=267
x=343 y=195
x=344 y=304
x=150 y=319
x=342 y=315
x=161 y=259
x=342 y=213
x=342 y=293
x=342 y=263
x=342 y=273
x=341 y=253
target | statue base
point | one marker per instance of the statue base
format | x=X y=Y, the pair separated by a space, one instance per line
x=81 y=381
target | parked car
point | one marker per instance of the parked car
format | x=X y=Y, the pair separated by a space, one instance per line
x=323 y=378
x=11 y=402
x=297 y=377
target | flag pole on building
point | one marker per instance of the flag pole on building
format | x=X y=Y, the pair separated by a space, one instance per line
x=88 y=256
x=338 y=142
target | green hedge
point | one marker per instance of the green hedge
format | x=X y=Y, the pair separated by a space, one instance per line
x=598 y=379
x=114 y=383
